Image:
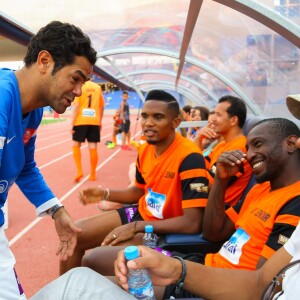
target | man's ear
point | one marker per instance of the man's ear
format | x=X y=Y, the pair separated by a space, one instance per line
x=291 y=143
x=298 y=143
x=44 y=61
x=176 y=122
x=234 y=120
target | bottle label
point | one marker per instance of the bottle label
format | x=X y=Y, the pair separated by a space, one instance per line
x=150 y=240
x=146 y=290
x=165 y=252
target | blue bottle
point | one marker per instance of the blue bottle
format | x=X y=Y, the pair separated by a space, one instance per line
x=150 y=238
x=139 y=281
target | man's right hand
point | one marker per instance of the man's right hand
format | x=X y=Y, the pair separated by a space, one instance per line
x=92 y=195
x=229 y=163
x=163 y=269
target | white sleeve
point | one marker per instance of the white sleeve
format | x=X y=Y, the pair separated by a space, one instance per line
x=292 y=246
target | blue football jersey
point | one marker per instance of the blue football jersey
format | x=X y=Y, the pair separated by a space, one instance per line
x=17 y=145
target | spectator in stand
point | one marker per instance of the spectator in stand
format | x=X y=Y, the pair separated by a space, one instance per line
x=186 y=113
x=200 y=114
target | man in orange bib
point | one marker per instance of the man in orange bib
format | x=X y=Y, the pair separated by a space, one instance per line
x=87 y=113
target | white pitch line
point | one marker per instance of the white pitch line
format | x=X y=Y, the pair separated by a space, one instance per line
x=65 y=196
x=63 y=156
x=64 y=141
x=40 y=138
x=38 y=219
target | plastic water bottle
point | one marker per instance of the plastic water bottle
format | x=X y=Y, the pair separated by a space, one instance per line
x=139 y=281
x=150 y=238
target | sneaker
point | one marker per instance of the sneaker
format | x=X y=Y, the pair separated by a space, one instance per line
x=125 y=147
x=108 y=142
x=111 y=146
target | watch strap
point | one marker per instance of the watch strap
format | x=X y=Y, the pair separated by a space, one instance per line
x=54 y=209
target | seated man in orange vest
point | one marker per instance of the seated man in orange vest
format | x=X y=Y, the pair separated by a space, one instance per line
x=228 y=120
x=171 y=186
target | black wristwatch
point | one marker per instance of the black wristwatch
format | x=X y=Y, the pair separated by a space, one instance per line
x=54 y=209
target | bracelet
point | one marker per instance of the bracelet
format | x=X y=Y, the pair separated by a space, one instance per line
x=180 y=283
x=107 y=194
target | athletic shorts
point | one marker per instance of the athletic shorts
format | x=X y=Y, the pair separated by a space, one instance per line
x=10 y=287
x=129 y=214
x=170 y=289
x=91 y=133
x=125 y=126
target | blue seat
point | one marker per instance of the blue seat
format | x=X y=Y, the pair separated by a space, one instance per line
x=188 y=243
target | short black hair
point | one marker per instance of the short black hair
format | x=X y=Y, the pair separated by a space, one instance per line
x=280 y=127
x=237 y=108
x=160 y=95
x=64 y=42
x=187 y=108
x=124 y=93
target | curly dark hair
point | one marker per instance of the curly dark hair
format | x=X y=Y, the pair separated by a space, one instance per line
x=63 y=41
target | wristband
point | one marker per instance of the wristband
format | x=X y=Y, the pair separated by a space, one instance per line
x=54 y=209
x=180 y=283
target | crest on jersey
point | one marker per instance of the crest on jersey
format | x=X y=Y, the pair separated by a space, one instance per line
x=29 y=133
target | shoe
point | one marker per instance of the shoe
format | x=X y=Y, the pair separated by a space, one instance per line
x=92 y=177
x=108 y=142
x=78 y=177
x=111 y=146
x=125 y=147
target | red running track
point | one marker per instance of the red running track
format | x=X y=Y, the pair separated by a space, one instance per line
x=33 y=240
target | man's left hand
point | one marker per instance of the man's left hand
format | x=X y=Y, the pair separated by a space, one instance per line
x=119 y=234
x=67 y=233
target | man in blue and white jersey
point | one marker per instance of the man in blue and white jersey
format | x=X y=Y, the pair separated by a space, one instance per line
x=58 y=62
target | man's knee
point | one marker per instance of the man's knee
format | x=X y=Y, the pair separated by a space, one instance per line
x=87 y=261
x=80 y=273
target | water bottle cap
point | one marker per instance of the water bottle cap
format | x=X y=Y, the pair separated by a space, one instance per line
x=131 y=252
x=148 y=228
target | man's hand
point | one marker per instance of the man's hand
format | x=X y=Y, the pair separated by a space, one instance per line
x=119 y=234
x=67 y=233
x=163 y=270
x=206 y=132
x=92 y=195
x=229 y=163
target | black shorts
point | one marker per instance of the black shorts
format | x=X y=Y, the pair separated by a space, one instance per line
x=129 y=214
x=91 y=133
x=170 y=289
x=125 y=126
